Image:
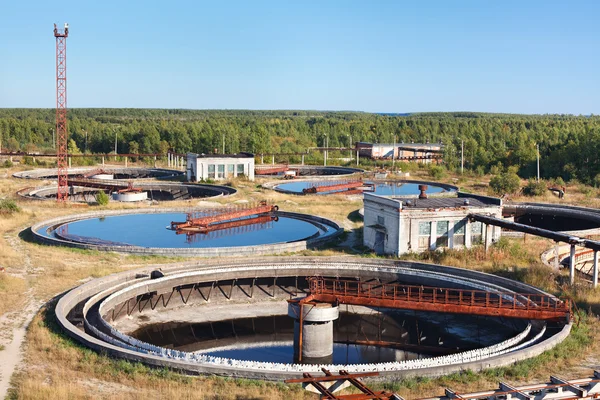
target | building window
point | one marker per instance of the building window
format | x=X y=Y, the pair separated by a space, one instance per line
x=221 y=171
x=230 y=168
x=211 y=171
x=240 y=169
x=442 y=234
x=424 y=235
x=476 y=232
x=459 y=233
x=380 y=220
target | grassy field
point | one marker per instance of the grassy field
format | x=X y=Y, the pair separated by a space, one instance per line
x=55 y=367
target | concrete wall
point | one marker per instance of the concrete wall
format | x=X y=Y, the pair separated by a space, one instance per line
x=198 y=167
x=381 y=222
x=399 y=226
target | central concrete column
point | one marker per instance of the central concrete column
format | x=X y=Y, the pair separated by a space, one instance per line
x=317 y=332
x=572 y=265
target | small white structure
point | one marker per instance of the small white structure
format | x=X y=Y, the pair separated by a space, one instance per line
x=401 y=225
x=130 y=196
x=102 y=176
x=219 y=167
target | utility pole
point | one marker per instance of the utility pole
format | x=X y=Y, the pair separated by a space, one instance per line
x=538 y=161
x=115 y=130
x=462 y=156
x=394 y=154
x=223 y=143
x=85 y=151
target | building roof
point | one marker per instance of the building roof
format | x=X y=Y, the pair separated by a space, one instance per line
x=239 y=155
x=446 y=202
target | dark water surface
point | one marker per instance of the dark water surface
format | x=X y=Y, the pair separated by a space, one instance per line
x=270 y=339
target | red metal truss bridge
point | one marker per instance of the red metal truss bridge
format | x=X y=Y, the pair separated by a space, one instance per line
x=225 y=218
x=447 y=300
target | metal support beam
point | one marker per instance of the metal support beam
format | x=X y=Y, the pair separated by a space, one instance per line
x=578 y=390
x=451 y=394
x=595 y=274
x=572 y=265
x=514 y=392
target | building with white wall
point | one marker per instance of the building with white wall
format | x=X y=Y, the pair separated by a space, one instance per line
x=418 y=152
x=401 y=225
x=218 y=167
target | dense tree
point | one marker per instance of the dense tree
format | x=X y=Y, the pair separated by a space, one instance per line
x=569 y=145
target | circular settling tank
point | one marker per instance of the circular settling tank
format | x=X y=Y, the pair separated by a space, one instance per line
x=156 y=191
x=555 y=217
x=233 y=318
x=382 y=188
x=151 y=232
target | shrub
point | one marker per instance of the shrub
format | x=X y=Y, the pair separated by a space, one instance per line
x=534 y=188
x=496 y=169
x=559 y=181
x=507 y=182
x=437 y=172
x=7 y=164
x=8 y=206
x=102 y=198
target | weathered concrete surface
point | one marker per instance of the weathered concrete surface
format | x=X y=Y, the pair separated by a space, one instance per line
x=317 y=329
x=290 y=266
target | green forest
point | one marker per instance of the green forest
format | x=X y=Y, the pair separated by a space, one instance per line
x=569 y=145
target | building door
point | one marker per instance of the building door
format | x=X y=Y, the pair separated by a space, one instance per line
x=379 y=242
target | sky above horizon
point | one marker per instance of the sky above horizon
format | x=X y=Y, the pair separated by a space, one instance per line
x=531 y=57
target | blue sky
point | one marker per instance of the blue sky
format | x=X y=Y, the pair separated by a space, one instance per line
x=380 y=56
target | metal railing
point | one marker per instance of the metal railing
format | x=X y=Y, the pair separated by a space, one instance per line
x=537 y=306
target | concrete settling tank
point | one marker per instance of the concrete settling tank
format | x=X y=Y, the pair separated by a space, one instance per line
x=150 y=231
x=148 y=184
x=400 y=187
x=236 y=318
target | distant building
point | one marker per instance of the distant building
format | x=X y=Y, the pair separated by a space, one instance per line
x=418 y=152
x=400 y=225
x=219 y=167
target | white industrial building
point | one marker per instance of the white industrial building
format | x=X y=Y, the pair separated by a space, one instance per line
x=401 y=225
x=218 y=167
x=418 y=152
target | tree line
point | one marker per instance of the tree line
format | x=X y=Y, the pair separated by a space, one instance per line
x=569 y=145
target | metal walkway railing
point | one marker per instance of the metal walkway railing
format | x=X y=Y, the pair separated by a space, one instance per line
x=423 y=298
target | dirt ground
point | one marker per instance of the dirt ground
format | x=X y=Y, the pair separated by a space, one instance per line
x=37 y=361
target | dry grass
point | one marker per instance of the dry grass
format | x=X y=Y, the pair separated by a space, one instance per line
x=62 y=369
x=11 y=291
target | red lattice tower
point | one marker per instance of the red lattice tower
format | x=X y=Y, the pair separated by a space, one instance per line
x=61 y=111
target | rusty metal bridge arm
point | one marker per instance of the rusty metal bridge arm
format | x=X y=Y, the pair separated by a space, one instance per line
x=423 y=298
x=223 y=216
